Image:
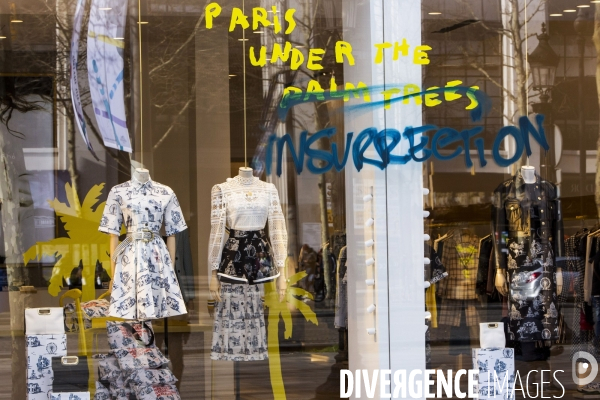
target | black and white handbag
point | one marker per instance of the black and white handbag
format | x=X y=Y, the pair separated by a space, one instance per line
x=71 y=374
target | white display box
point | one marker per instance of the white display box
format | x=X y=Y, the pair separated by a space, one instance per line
x=496 y=376
x=40 y=350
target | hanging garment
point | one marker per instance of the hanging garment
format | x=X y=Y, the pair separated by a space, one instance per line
x=239 y=332
x=184 y=267
x=528 y=242
x=461 y=262
x=459 y=297
x=485 y=254
x=589 y=268
x=144 y=283
x=246 y=204
x=435 y=272
x=341 y=298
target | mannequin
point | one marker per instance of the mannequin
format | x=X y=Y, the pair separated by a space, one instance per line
x=215 y=284
x=528 y=174
x=529 y=247
x=241 y=257
x=144 y=284
x=143 y=176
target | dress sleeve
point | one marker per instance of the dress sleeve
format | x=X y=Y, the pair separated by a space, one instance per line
x=217 y=227
x=174 y=221
x=558 y=232
x=277 y=231
x=112 y=216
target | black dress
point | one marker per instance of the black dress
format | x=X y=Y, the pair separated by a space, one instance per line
x=528 y=244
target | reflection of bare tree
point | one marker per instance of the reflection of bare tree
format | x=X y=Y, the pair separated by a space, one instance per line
x=494 y=46
x=315 y=29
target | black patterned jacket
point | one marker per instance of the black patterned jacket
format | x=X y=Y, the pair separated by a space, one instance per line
x=521 y=210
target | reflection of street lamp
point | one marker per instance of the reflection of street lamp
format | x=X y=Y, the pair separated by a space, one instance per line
x=543 y=62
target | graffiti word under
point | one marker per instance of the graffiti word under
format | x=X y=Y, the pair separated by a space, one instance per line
x=319 y=161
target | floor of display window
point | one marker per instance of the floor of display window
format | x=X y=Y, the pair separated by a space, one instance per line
x=306 y=363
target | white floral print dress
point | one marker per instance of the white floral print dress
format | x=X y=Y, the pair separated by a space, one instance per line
x=144 y=283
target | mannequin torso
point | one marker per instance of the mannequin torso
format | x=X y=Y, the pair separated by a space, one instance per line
x=245 y=176
x=528 y=174
x=142 y=175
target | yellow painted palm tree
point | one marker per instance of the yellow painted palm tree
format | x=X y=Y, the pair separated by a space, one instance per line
x=281 y=309
x=84 y=242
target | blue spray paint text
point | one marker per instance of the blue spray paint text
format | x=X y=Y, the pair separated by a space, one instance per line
x=319 y=161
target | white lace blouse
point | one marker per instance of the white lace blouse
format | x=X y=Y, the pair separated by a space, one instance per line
x=246 y=204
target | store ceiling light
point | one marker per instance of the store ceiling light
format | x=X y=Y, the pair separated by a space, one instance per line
x=556 y=15
x=435 y=13
x=583 y=5
x=2 y=37
x=230 y=75
x=119 y=38
x=243 y=40
x=143 y=22
x=17 y=21
x=595 y=1
x=105 y=8
x=258 y=31
x=570 y=10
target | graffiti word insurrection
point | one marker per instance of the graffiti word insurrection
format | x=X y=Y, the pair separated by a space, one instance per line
x=384 y=142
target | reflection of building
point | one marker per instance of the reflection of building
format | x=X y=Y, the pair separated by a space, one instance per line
x=477 y=54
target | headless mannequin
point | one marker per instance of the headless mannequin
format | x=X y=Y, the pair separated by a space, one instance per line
x=528 y=174
x=141 y=175
x=215 y=285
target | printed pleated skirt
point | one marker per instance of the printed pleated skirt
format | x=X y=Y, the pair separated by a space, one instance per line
x=239 y=332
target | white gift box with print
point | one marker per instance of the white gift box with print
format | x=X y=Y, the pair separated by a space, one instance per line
x=40 y=350
x=496 y=377
x=71 y=396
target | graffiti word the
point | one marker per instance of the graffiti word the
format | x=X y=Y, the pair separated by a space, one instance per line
x=384 y=142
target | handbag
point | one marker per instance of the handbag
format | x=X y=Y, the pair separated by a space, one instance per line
x=71 y=374
x=44 y=321
x=127 y=335
x=491 y=335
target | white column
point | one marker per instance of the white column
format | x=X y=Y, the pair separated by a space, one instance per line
x=398 y=294
x=402 y=19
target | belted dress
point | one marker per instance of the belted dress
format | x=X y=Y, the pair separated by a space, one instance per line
x=144 y=282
